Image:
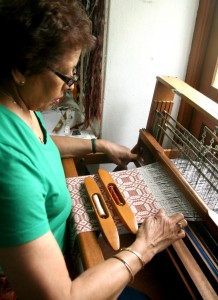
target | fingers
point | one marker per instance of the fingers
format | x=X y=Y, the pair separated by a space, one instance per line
x=177 y=220
x=127 y=157
x=180 y=228
x=180 y=222
x=179 y=225
x=161 y=230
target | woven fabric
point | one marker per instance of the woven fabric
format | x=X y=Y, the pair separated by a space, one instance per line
x=145 y=189
x=131 y=185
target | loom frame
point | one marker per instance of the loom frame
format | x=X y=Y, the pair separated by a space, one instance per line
x=150 y=150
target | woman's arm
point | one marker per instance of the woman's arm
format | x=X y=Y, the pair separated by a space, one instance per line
x=71 y=147
x=37 y=269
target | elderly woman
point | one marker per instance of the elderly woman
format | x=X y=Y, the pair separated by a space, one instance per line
x=41 y=45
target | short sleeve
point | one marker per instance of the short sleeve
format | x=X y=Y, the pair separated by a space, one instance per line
x=22 y=204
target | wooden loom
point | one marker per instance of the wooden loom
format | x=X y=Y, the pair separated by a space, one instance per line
x=164 y=138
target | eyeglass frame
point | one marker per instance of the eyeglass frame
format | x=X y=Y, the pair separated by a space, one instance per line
x=69 y=80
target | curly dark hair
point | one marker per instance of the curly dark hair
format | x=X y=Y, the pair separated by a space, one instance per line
x=35 y=34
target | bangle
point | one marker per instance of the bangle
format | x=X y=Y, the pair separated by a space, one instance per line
x=93 y=141
x=136 y=254
x=127 y=267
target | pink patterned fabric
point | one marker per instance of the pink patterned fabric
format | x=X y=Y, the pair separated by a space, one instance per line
x=131 y=185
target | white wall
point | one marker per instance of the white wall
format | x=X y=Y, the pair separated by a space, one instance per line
x=145 y=39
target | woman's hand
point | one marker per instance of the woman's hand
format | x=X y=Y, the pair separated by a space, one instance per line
x=71 y=147
x=158 y=232
x=120 y=155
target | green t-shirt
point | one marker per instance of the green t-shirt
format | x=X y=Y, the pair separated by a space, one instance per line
x=33 y=193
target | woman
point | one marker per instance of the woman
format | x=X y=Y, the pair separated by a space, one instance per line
x=42 y=43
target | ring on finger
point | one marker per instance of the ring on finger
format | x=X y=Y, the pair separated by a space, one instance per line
x=179 y=224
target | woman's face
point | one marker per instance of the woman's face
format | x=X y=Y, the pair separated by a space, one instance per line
x=43 y=90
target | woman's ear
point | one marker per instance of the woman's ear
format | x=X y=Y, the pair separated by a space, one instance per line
x=18 y=77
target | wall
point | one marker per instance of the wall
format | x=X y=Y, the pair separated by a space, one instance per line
x=145 y=39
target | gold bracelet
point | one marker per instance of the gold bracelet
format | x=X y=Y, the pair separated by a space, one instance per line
x=136 y=254
x=127 y=267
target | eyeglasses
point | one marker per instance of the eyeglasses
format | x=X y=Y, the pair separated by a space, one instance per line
x=69 y=80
